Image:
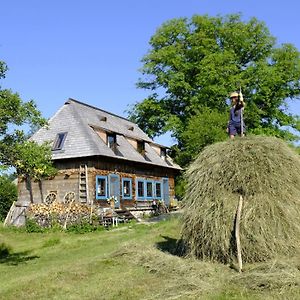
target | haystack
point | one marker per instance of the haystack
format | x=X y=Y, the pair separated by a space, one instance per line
x=265 y=172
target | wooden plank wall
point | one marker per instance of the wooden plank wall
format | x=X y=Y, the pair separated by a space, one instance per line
x=67 y=179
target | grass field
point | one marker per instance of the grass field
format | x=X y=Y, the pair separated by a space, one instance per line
x=130 y=262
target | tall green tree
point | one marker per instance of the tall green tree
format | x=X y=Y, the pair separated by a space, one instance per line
x=30 y=160
x=206 y=127
x=193 y=64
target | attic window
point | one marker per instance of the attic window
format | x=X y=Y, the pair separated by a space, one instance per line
x=141 y=147
x=163 y=153
x=102 y=118
x=59 y=141
x=111 y=140
x=131 y=128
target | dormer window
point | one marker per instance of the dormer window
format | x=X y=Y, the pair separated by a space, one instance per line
x=111 y=140
x=163 y=153
x=141 y=147
x=102 y=118
x=59 y=141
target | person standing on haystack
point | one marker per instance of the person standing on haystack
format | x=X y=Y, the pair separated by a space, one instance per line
x=236 y=123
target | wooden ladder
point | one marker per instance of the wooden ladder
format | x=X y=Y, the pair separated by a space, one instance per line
x=83 y=184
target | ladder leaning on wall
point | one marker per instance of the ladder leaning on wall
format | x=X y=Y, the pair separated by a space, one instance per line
x=83 y=184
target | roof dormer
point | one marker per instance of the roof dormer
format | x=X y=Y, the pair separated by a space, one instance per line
x=140 y=147
x=102 y=118
x=59 y=141
x=111 y=140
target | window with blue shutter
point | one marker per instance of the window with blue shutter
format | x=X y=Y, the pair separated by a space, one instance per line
x=127 y=188
x=101 y=187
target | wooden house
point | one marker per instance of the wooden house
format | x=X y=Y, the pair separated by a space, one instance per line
x=101 y=156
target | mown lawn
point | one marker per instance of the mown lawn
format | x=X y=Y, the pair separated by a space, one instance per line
x=130 y=262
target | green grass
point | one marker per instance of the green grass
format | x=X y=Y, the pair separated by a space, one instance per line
x=130 y=262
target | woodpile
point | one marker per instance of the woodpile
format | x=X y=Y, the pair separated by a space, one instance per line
x=68 y=212
x=57 y=212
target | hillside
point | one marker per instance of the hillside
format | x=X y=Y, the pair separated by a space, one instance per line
x=131 y=262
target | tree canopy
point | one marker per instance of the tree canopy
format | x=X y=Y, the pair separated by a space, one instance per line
x=28 y=158
x=192 y=66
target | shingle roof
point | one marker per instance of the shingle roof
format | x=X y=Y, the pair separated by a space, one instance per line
x=79 y=120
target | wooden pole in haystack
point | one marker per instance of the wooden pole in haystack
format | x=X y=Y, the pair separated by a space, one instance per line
x=237 y=234
x=240 y=97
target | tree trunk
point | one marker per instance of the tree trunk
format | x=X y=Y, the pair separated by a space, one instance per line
x=29 y=187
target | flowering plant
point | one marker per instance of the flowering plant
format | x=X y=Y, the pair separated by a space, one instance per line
x=112 y=199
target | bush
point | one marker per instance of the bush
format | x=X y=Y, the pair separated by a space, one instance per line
x=8 y=194
x=32 y=226
x=4 y=250
x=84 y=227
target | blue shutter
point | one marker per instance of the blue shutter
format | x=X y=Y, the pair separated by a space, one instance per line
x=165 y=191
x=114 y=188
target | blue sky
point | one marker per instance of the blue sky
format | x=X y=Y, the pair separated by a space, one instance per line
x=91 y=50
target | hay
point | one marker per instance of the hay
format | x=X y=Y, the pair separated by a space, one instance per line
x=179 y=278
x=188 y=278
x=281 y=275
x=266 y=172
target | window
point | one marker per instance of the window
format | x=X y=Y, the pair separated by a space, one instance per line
x=157 y=189
x=127 y=188
x=140 y=189
x=141 y=147
x=59 y=141
x=149 y=189
x=111 y=140
x=101 y=187
x=163 y=153
x=102 y=118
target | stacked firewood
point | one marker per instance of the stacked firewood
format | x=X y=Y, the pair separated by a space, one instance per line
x=58 y=212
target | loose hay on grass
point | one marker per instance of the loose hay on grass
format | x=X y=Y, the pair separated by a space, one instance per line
x=266 y=172
x=182 y=278
x=188 y=278
x=281 y=275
